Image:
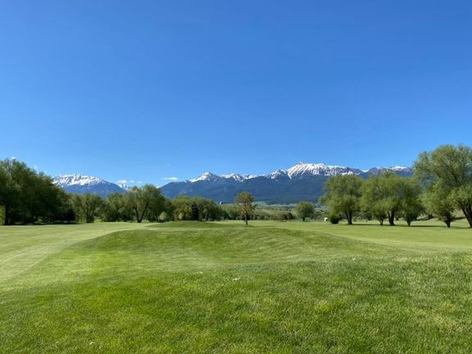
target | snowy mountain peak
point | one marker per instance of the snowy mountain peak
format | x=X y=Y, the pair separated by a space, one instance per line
x=319 y=169
x=76 y=180
x=206 y=176
x=301 y=170
x=80 y=184
x=235 y=176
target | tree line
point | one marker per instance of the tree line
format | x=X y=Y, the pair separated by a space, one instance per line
x=30 y=197
x=441 y=187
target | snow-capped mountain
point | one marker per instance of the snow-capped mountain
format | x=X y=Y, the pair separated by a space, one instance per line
x=303 y=181
x=304 y=170
x=80 y=184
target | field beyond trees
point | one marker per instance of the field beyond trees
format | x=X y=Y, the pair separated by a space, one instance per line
x=225 y=287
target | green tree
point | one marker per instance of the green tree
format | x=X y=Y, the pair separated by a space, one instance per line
x=116 y=208
x=87 y=206
x=305 y=210
x=411 y=205
x=381 y=197
x=28 y=196
x=450 y=168
x=438 y=203
x=343 y=195
x=146 y=201
x=182 y=208
x=245 y=204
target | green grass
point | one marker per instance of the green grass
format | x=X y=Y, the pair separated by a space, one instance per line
x=223 y=287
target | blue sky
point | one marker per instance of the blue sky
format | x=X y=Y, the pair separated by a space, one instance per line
x=145 y=90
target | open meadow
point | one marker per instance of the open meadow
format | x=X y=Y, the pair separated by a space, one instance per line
x=279 y=287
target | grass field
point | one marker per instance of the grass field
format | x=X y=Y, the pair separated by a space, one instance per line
x=222 y=287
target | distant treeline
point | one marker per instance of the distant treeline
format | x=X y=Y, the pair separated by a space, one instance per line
x=29 y=197
x=441 y=187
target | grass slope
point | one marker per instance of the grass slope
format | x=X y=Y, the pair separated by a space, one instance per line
x=223 y=287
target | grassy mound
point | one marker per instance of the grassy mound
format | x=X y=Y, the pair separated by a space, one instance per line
x=267 y=288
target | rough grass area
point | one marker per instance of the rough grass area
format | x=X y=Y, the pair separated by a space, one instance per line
x=223 y=287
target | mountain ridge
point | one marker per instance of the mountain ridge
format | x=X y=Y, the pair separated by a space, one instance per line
x=303 y=181
x=82 y=184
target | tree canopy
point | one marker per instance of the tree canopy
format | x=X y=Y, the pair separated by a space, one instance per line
x=343 y=195
x=447 y=171
x=305 y=210
x=244 y=201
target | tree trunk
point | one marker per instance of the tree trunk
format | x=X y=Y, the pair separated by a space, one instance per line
x=391 y=218
x=245 y=219
x=448 y=223
x=138 y=219
x=468 y=214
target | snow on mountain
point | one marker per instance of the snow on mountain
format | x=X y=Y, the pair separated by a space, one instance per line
x=76 y=180
x=206 y=176
x=80 y=184
x=319 y=169
x=303 y=181
x=235 y=176
x=303 y=170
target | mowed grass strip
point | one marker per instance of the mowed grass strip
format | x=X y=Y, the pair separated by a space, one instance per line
x=271 y=287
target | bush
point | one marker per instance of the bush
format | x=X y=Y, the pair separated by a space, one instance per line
x=163 y=217
x=334 y=218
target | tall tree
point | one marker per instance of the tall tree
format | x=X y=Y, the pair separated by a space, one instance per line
x=438 y=203
x=450 y=168
x=87 y=206
x=27 y=196
x=245 y=203
x=411 y=204
x=305 y=210
x=382 y=197
x=116 y=208
x=342 y=196
x=145 y=200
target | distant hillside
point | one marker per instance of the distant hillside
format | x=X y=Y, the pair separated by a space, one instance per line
x=304 y=181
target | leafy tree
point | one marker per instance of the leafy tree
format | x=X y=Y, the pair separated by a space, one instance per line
x=87 y=206
x=194 y=208
x=305 y=210
x=411 y=205
x=381 y=197
x=27 y=196
x=244 y=201
x=182 y=207
x=146 y=201
x=209 y=210
x=438 y=203
x=343 y=195
x=116 y=208
x=450 y=168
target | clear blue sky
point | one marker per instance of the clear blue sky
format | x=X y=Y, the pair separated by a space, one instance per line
x=145 y=90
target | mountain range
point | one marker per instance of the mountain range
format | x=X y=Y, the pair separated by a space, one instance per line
x=303 y=181
x=79 y=184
